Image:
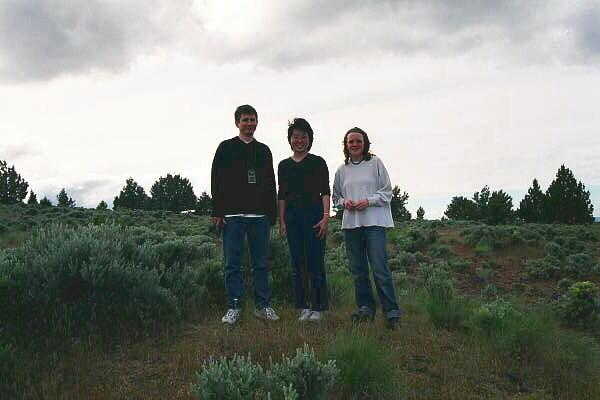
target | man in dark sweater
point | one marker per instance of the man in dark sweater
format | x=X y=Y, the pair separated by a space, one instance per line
x=244 y=205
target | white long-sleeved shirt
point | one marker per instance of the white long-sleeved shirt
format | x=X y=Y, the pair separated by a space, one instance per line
x=367 y=180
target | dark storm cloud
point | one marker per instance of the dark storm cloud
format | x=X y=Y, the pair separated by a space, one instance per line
x=41 y=39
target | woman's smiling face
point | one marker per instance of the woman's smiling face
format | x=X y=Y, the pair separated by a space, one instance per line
x=299 y=141
x=355 y=145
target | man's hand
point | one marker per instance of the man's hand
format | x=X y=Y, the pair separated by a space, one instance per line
x=219 y=222
x=321 y=227
x=282 y=229
x=361 y=204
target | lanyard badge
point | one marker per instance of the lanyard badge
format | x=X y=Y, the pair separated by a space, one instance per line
x=251 y=175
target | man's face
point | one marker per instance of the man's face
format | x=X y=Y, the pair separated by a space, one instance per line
x=299 y=141
x=247 y=124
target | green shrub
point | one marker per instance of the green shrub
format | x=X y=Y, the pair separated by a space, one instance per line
x=417 y=239
x=7 y=366
x=96 y=279
x=301 y=377
x=308 y=377
x=366 y=370
x=580 y=306
x=444 y=307
x=555 y=250
x=235 y=379
x=493 y=318
x=440 y=251
x=544 y=268
x=580 y=265
x=459 y=264
x=489 y=291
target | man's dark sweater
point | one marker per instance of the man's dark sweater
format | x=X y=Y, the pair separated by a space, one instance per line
x=231 y=191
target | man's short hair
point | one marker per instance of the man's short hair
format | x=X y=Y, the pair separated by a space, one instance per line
x=245 y=109
x=302 y=125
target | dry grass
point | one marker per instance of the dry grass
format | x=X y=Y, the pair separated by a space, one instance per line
x=427 y=363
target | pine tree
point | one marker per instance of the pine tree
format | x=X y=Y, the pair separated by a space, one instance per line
x=102 y=205
x=173 y=193
x=420 y=214
x=461 y=208
x=32 y=199
x=45 y=202
x=567 y=201
x=13 y=188
x=204 y=204
x=481 y=200
x=499 y=208
x=531 y=208
x=132 y=196
x=398 y=205
x=64 y=200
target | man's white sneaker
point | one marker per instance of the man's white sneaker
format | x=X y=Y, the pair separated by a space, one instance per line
x=304 y=314
x=315 y=316
x=266 y=313
x=232 y=316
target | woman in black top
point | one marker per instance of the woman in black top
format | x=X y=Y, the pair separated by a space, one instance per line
x=303 y=216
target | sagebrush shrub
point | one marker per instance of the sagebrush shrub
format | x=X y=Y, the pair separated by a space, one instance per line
x=580 y=306
x=237 y=378
x=305 y=374
x=493 y=318
x=97 y=279
x=544 y=268
x=555 y=250
x=444 y=307
x=580 y=265
x=302 y=377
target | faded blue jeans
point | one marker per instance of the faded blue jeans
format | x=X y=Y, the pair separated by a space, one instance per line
x=364 y=246
x=257 y=229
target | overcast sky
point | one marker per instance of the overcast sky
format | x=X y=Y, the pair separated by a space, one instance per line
x=454 y=97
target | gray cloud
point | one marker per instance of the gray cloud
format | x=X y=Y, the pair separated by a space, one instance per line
x=42 y=39
x=588 y=32
x=11 y=153
x=312 y=32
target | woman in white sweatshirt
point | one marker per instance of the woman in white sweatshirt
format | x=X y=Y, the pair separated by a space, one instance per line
x=362 y=189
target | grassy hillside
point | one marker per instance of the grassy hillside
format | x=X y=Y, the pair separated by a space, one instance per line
x=115 y=305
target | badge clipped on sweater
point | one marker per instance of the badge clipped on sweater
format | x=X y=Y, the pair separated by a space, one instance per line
x=251 y=175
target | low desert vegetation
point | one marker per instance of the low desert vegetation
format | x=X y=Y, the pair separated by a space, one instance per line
x=127 y=304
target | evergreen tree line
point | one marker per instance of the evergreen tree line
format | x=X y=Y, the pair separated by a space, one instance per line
x=565 y=201
x=171 y=192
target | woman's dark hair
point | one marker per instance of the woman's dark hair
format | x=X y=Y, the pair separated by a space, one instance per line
x=302 y=125
x=366 y=154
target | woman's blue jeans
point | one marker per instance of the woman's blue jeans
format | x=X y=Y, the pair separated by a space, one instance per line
x=257 y=229
x=307 y=253
x=364 y=246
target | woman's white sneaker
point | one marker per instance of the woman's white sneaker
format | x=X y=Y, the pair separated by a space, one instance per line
x=266 y=313
x=315 y=316
x=304 y=314
x=232 y=316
